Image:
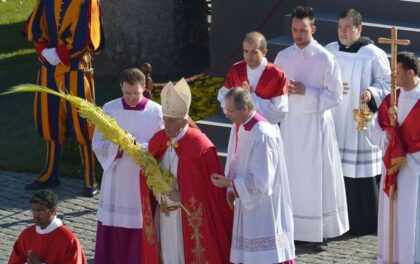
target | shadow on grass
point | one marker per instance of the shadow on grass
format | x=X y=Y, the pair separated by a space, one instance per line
x=12 y=38
x=17 y=69
x=22 y=149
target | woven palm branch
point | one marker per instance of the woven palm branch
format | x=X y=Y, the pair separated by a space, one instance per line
x=158 y=180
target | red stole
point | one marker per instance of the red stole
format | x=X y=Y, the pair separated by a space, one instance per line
x=272 y=83
x=207 y=231
x=403 y=140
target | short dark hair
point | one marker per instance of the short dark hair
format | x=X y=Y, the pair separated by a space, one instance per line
x=132 y=76
x=45 y=197
x=354 y=14
x=409 y=61
x=302 y=12
x=241 y=98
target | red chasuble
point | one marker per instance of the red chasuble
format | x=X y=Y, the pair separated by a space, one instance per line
x=404 y=139
x=272 y=83
x=60 y=246
x=207 y=231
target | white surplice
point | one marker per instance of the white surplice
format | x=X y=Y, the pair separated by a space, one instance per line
x=263 y=219
x=367 y=69
x=169 y=226
x=273 y=109
x=407 y=204
x=310 y=145
x=119 y=203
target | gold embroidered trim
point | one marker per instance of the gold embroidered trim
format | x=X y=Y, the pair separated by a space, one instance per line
x=195 y=220
x=148 y=228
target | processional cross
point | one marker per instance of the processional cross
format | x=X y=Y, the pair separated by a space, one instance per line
x=394 y=42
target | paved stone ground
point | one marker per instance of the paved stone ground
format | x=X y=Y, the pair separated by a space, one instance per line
x=79 y=214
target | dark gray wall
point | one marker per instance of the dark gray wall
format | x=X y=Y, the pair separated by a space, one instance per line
x=232 y=19
x=170 y=34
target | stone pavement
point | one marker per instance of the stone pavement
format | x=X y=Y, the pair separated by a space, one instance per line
x=79 y=214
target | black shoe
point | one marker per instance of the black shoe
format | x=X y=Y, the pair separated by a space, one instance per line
x=323 y=246
x=320 y=247
x=317 y=246
x=39 y=185
x=90 y=192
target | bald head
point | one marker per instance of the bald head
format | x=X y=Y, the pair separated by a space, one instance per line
x=254 y=49
x=255 y=37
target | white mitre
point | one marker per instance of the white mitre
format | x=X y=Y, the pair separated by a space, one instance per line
x=176 y=99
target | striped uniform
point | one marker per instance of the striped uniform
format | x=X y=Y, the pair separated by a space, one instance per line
x=74 y=28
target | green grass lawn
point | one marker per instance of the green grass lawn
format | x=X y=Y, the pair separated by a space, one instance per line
x=21 y=149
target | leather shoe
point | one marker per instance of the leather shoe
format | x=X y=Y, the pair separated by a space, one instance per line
x=90 y=192
x=318 y=246
x=39 y=185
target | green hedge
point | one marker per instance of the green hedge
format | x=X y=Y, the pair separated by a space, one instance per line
x=204 y=97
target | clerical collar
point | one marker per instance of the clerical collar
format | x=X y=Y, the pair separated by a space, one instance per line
x=139 y=107
x=361 y=42
x=255 y=118
x=260 y=67
x=55 y=223
x=181 y=134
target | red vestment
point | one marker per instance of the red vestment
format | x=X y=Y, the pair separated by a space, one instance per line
x=404 y=138
x=207 y=231
x=60 y=246
x=272 y=83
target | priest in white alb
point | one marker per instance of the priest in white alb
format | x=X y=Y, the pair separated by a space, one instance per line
x=310 y=145
x=401 y=141
x=365 y=72
x=258 y=187
x=120 y=217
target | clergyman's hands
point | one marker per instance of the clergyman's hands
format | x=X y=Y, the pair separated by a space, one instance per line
x=174 y=196
x=220 y=181
x=295 y=87
x=230 y=198
x=393 y=111
x=365 y=97
x=32 y=258
x=247 y=86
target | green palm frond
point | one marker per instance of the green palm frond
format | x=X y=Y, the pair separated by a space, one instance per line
x=158 y=179
x=32 y=88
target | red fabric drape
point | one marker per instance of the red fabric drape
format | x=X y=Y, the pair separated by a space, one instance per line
x=403 y=139
x=207 y=231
